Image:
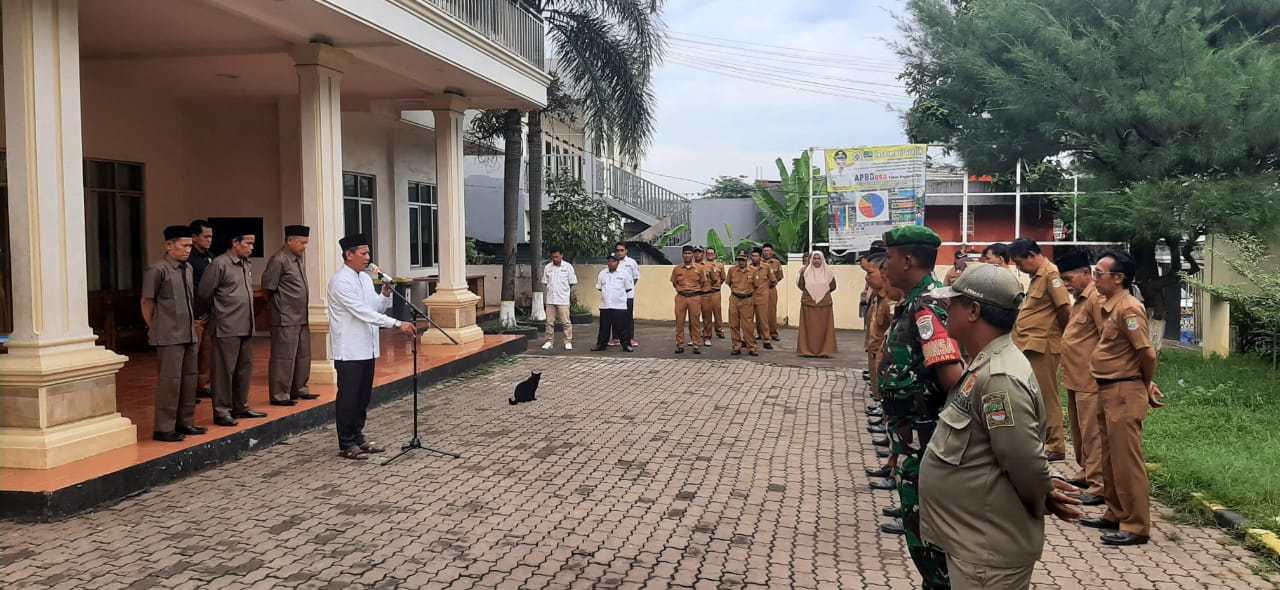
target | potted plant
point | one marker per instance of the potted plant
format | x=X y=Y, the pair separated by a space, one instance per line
x=579 y=313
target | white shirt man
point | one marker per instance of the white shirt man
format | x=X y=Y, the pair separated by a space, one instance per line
x=558 y=279
x=631 y=268
x=356 y=312
x=614 y=285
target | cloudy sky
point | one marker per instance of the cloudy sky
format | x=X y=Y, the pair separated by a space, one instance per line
x=748 y=81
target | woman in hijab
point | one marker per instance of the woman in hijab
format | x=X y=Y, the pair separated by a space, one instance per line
x=817 y=318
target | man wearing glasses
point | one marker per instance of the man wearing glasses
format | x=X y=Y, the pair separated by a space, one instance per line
x=1124 y=364
x=629 y=267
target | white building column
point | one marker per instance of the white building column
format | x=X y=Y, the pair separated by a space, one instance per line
x=57 y=389
x=319 y=69
x=452 y=306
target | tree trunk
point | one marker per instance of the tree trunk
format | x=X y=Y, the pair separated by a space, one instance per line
x=536 y=168
x=1151 y=286
x=510 y=211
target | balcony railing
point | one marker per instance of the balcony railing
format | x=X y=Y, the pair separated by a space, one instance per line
x=513 y=24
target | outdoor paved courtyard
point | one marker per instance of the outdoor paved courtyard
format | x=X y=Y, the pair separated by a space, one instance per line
x=627 y=472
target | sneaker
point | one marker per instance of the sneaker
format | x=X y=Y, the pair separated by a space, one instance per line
x=706 y=342
x=568 y=346
x=634 y=343
x=614 y=342
x=548 y=346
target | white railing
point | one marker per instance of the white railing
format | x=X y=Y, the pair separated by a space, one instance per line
x=611 y=182
x=514 y=24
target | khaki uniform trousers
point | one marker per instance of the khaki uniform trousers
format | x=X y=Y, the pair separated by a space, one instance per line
x=1046 y=369
x=290 y=362
x=966 y=575
x=773 y=312
x=692 y=308
x=742 y=322
x=764 y=322
x=232 y=372
x=1124 y=467
x=711 y=303
x=1086 y=439
x=176 y=389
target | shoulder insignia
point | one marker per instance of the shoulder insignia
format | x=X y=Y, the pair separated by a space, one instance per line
x=1057 y=282
x=969 y=384
x=995 y=408
x=1131 y=323
x=925 y=325
x=981 y=357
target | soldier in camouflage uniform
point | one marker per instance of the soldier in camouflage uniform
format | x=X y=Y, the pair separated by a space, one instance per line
x=921 y=362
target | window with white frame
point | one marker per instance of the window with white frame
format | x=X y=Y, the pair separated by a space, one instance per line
x=424 y=225
x=358 y=192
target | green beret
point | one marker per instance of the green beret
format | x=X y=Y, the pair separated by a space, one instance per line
x=911 y=235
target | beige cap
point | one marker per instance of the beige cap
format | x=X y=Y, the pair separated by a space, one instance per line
x=986 y=283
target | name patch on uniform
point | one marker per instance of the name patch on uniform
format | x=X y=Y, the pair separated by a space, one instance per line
x=995 y=408
x=1131 y=323
x=924 y=323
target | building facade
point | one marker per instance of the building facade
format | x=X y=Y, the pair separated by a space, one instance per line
x=124 y=116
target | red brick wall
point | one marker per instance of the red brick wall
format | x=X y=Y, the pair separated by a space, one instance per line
x=993 y=223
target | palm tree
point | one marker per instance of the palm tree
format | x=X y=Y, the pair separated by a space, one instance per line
x=605 y=54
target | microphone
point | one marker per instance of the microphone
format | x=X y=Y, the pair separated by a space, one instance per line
x=377 y=273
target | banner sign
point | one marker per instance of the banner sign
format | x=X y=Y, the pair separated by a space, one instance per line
x=871 y=190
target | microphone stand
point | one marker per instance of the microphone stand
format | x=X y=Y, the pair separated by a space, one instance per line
x=416 y=443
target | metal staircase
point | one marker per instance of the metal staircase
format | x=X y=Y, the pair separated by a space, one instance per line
x=654 y=209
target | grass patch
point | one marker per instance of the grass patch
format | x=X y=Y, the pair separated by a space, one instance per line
x=1219 y=435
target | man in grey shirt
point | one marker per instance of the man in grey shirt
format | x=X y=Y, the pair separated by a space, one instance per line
x=227 y=292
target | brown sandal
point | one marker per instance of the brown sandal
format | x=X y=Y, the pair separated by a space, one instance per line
x=372 y=447
x=353 y=453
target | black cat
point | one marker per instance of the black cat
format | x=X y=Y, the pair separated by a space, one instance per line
x=525 y=389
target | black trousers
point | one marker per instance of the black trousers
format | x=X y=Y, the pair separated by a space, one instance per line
x=613 y=322
x=355 y=389
x=627 y=323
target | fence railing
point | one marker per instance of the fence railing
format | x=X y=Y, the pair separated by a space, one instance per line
x=513 y=24
x=607 y=181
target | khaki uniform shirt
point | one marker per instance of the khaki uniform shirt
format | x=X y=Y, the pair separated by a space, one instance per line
x=689 y=280
x=951 y=276
x=227 y=290
x=170 y=284
x=287 y=282
x=766 y=280
x=984 y=477
x=1079 y=340
x=716 y=275
x=879 y=316
x=775 y=271
x=744 y=283
x=1123 y=333
x=1037 y=328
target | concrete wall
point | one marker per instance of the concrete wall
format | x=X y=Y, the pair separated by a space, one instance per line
x=484 y=199
x=740 y=214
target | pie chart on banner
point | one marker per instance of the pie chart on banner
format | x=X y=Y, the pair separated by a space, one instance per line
x=871 y=207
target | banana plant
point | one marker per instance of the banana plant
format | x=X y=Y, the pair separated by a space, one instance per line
x=665 y=239
x=722 y=245
x=788 y=222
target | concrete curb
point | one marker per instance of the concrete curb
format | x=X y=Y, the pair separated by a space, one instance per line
x=1263 y=541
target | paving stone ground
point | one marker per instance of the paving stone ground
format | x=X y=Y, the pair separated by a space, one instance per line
x=627 y=472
